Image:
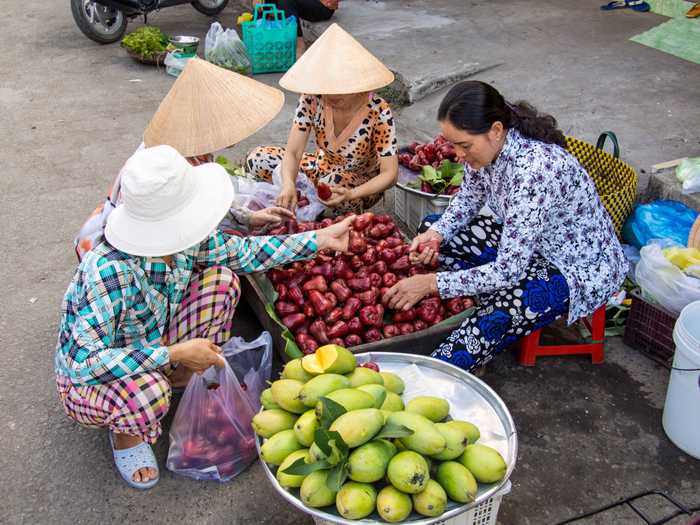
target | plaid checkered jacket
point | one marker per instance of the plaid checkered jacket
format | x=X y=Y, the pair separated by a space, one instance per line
x=118 y=306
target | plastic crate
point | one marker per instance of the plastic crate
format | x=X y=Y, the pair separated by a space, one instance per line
x=649 y=329
x=485 y=513
x=271 y=44
x=411 y=206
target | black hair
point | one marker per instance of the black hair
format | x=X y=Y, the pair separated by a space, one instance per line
x=474 y=106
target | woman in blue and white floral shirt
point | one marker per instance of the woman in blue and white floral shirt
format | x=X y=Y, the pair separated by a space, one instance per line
x=550 y=251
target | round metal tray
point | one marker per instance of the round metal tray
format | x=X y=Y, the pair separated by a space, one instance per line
x=470 y=399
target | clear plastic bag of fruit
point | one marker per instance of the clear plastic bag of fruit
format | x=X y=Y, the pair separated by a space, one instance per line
x=211 y=437
x=251 y=361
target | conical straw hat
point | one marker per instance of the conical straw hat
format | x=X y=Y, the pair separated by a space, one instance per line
x=694 y=236
x=210 y=108
x=336 y=64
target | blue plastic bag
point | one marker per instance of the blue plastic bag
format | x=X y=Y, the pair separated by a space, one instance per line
x=663 y=219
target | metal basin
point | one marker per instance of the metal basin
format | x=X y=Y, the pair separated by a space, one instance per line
x=470 y=399
x=187 y=44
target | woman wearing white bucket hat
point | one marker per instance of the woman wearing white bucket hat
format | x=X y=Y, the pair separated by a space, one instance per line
x=208 y=108
x=157 y=297
x=354 y=129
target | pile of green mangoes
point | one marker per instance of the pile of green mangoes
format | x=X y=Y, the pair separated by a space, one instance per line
x=379 y=453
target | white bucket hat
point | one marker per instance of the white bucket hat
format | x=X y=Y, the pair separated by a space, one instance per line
x=168 y=205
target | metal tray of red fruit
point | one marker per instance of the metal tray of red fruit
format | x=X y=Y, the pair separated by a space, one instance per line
x=289 y=310
x=470 y=399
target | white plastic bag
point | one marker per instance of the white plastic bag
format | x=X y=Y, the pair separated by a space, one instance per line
x=175 y=63
x=663 y=282
x=224 y=48
x=211 y=437
x=252 y=364
x=688 y=172
x=256 y=195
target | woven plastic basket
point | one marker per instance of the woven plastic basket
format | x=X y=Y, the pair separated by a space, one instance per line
x=270 y=40
x=615 y=180
x=649 y=329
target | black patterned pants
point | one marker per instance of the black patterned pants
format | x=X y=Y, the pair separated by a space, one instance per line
x=504 y=316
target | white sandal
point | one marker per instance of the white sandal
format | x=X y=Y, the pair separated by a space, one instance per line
x=130 y=460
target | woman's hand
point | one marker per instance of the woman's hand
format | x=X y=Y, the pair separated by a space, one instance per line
x=339 y=196
x=273 y=215
x=197 y=354
x=287 y=197
x=407 y=292
x=430 y=241
x=336 y=236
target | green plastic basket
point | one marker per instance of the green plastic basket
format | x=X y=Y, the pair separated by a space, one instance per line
x=270 y=41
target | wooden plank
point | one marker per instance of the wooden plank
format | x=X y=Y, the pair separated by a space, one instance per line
x=666 y=165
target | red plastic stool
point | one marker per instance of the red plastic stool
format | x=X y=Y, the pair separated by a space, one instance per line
x=531 y=349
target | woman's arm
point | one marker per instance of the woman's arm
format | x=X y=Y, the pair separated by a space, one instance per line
x=470 y=198
x=256 y=254
x=296 y=145
x=388 y=175
x=86 y=343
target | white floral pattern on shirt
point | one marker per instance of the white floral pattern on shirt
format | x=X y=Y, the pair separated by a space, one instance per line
x=548 y=205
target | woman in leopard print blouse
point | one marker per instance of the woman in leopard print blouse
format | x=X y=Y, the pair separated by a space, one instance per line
x=353 y=128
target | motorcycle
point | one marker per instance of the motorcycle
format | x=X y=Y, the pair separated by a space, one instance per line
x=105 y=21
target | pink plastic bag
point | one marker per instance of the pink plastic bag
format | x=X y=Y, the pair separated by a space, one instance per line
x=211 y=437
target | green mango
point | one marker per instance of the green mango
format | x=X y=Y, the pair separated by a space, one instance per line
x=359 y=426
x=378 y=392
x=279 y=446
x=330 y=359
x=434 y=408
x=294 y=370
x=365 y=376
x=316 y=454
x=393 y=383
x=305 y=428
x=393 y=505
x=269 y=422
x=349 y=398
x=356 y=500
x=408 y=471
x=368 y=463
x=285 y=392
x=486 y=463
x=458 y=482
x=469 y=429
x=314 y=492
x=320 y=386
x=425 y=438
x=455 y=442
x=392 y=403
x=266 y=400
x=432 y=501
x=290 y=481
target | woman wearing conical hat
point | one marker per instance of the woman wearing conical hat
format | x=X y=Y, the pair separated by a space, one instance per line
x=151 y=302
x=353 y=128
x=207 y=109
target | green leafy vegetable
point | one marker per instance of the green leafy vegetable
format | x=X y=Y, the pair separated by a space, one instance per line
x=230 y=167
x=448 y=174
x=147 y=41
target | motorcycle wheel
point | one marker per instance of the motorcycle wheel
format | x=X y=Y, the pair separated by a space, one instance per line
x=102 y=24
x=210 y=7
